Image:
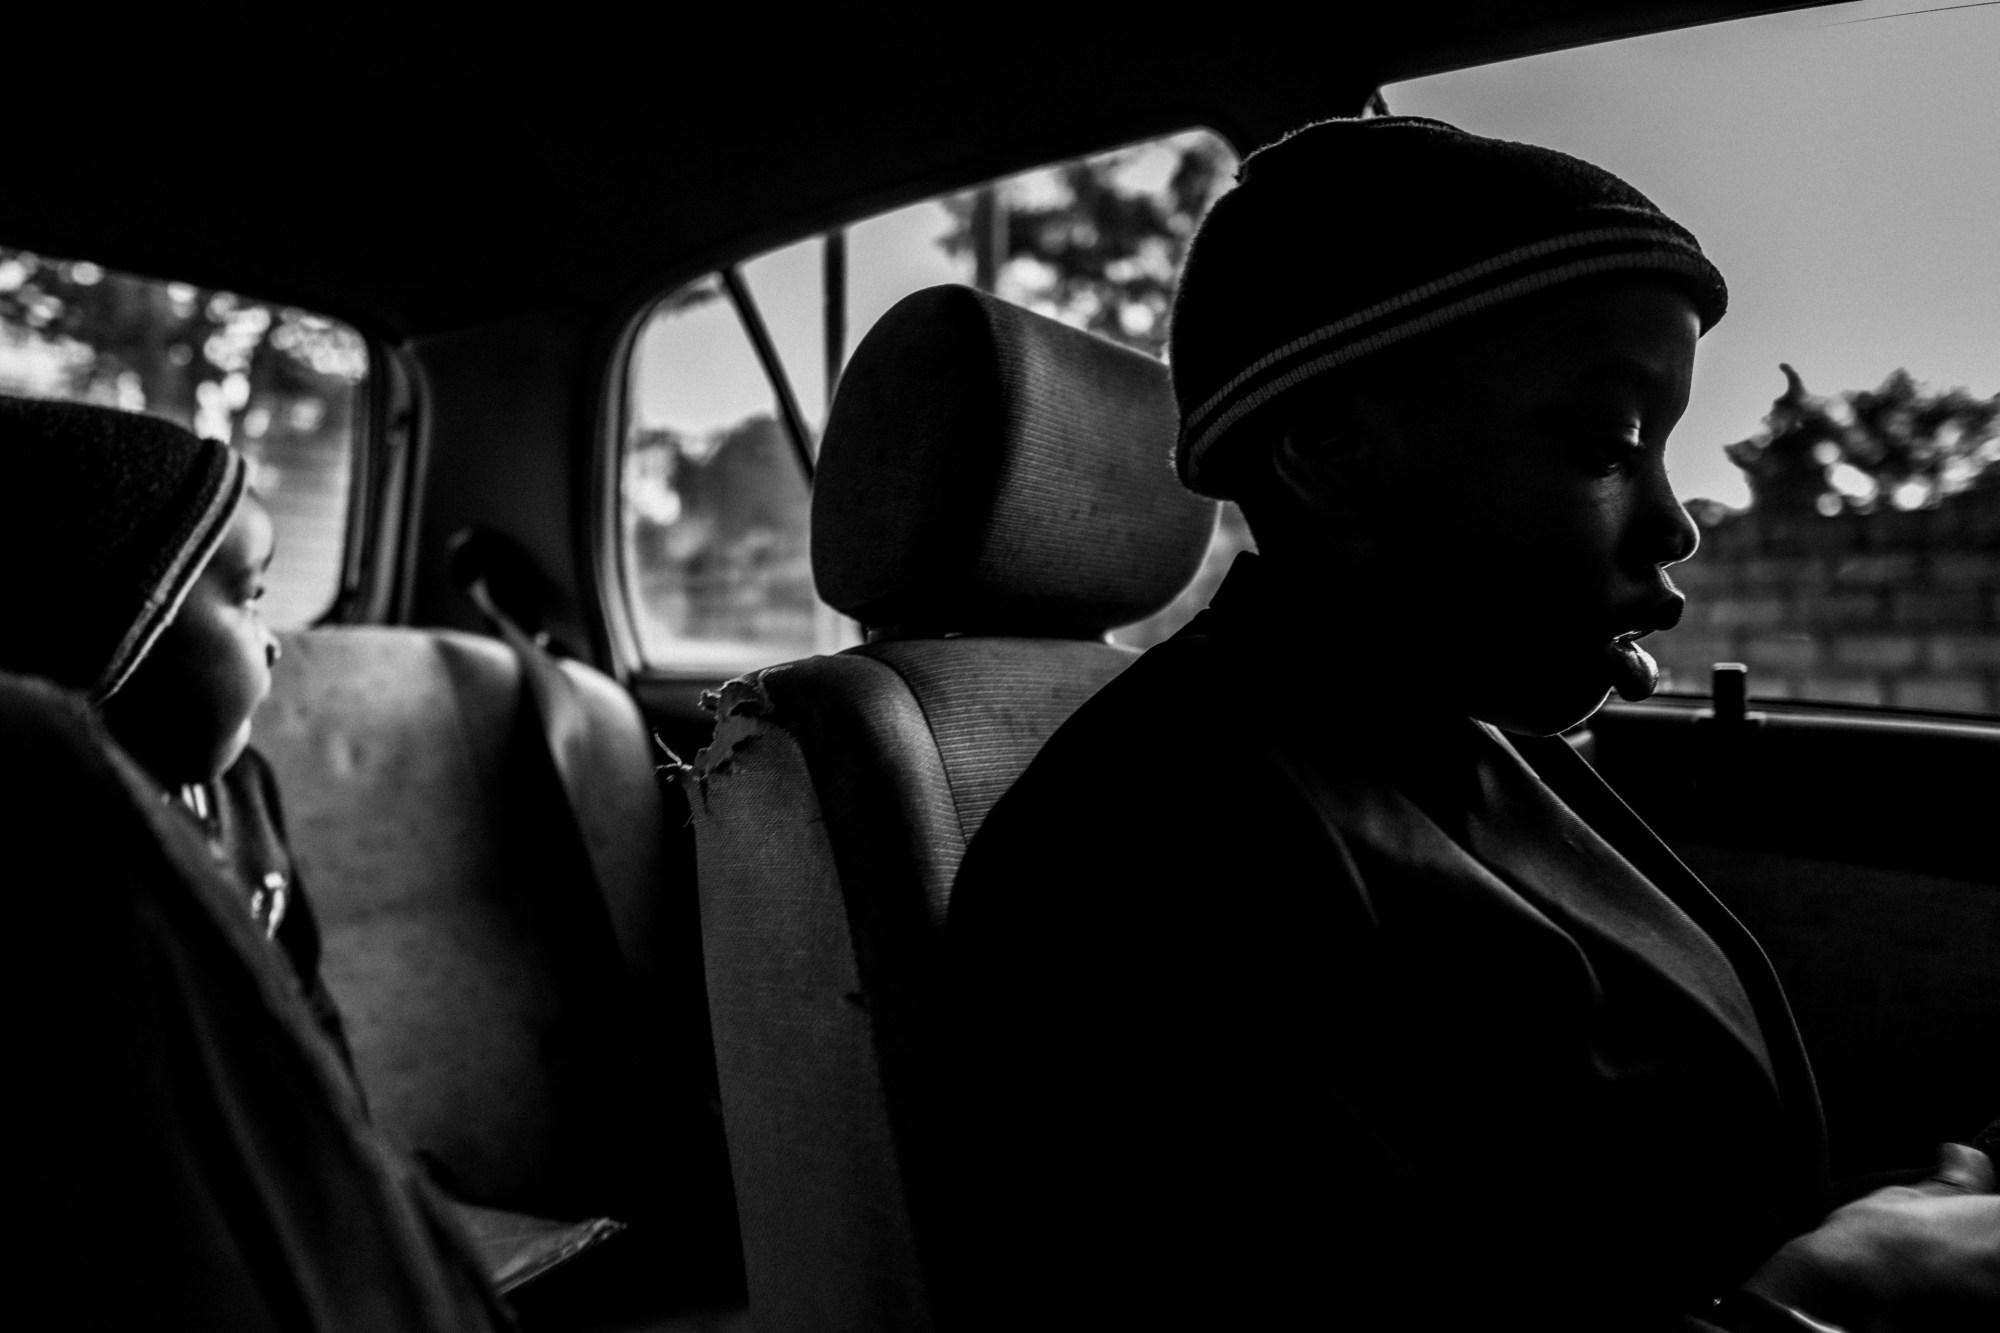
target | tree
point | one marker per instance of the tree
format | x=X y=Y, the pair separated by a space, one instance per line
x=1902 y=445
x=1098 y=242
x=222 y=365
x=719 y=531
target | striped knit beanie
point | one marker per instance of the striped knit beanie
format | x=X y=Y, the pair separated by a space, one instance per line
x=1352 y=236
x=107 y=518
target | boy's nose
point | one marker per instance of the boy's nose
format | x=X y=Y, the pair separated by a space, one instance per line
x=1685 y=537
x=1667 y=532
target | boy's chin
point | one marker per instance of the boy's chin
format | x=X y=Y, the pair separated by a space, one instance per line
x=1550 y=700
x=1544 y=718
x=232 y=749
x=194 y=769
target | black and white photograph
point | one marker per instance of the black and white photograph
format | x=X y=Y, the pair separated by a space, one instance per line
x=865 y=669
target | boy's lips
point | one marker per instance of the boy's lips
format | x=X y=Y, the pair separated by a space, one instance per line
x=1634 y=673
x=1634 y=624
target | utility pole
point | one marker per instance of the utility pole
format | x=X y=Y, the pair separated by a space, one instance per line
x=833 y=289
x=989 y=237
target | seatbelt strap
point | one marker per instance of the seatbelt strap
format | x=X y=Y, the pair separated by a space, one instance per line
x=554 y=733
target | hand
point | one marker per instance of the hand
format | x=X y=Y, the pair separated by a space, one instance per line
x=1906 y=1258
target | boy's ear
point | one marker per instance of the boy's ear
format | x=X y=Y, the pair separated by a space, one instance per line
x=1328 y=458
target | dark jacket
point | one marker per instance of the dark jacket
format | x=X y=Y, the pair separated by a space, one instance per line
x=244 y=823
x=193 y=1156
x=1286 y=997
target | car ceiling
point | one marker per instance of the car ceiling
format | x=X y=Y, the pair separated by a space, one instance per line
x=417 y=174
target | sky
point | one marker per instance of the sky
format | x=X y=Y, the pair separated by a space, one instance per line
x=1843 y=175
x=1840 y=165
x=695 y=374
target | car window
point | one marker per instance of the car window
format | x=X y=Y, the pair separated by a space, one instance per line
x=713 y=500
x=720 y=369
x=1842 y=451
x=283 y=386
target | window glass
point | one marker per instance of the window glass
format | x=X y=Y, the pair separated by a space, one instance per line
x=1842 y=451
x=281 y=385
x=714 y=504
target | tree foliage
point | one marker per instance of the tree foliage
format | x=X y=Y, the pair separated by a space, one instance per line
x=1098 y=242
x=1902 y=445
x=278 y=384
x=227 y=367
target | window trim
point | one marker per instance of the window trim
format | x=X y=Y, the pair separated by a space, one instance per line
x=385 y=464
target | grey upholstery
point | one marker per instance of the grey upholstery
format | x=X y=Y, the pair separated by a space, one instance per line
x=994 y=492
x=392 y=750
x=988 y=471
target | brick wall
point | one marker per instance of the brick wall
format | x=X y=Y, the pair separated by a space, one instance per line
x=1885 y=608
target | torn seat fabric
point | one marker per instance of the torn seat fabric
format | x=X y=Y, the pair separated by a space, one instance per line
x=195 y=1155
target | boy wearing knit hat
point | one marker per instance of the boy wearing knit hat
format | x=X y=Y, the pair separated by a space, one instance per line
x=199 y=1160
x=140 y=557
x=1352 y=992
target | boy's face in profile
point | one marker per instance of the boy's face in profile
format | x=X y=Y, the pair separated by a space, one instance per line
x=1516 y=509
x=185 y=713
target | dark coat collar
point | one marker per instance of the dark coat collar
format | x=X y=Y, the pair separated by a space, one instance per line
x=1600 y=807
x=1642 y=901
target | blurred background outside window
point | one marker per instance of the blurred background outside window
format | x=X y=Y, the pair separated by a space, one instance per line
x=714 y=506
x=282 y=386
x=1842 y=449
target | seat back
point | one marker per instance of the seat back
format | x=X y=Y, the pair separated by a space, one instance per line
x=399 y=759
x=993 y=496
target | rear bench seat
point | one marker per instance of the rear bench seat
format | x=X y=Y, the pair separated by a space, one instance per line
x=398 y=757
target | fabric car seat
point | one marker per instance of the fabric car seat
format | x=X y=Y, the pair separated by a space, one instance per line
x=994 y=494
x=400 y=758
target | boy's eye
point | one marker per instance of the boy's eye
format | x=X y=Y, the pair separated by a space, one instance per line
x=1600 y=438
x=1606 y=454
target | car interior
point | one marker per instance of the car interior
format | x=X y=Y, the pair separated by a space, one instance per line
x=727 y=1037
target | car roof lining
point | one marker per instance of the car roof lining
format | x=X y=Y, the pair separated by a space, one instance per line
x=428 y=173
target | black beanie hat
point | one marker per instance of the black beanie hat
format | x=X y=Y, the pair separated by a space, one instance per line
x=1351 y=236
x=107 y=518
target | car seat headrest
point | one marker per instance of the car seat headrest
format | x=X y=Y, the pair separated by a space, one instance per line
x=986 y=470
